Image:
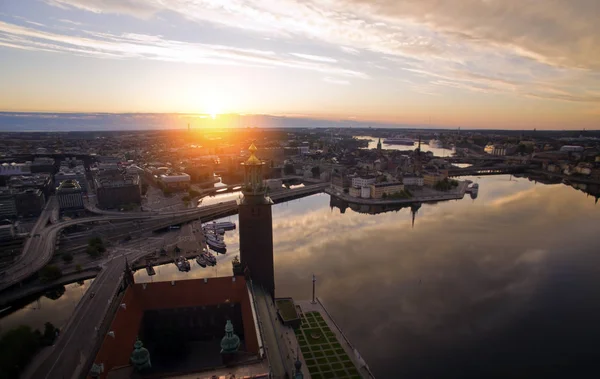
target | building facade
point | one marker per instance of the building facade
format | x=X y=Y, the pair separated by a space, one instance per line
x=70 y=196
x=116 y=191
x=8 y=205
x=432 y=178
x=175 y=181
x=386 y=188
x=413 y=180
x=363 y=181
x=30 y=202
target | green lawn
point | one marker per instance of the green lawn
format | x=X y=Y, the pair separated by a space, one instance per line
x=327 y=357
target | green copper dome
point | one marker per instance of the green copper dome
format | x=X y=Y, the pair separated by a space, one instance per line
x=231 y=342
x=140 y=357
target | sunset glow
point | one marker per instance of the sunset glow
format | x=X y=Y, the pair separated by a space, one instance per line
x=469 y=63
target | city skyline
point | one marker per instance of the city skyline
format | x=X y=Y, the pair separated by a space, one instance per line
x=470 y=64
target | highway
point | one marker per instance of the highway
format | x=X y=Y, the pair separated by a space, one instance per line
x=39 y=248
x=77 y=340
x=68 y=357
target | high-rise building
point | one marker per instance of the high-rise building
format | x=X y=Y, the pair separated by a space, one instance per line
x=256 y=226
x=70 y=195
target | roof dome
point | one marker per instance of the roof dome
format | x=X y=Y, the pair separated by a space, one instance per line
x=140 y=357
x=230 y=342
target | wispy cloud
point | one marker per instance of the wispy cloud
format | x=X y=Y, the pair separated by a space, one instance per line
x=335 y=81
x=495 y=46
x=63 y=20
x=142 y=46
x=316 y=58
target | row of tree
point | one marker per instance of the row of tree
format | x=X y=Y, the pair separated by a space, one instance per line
x=19 y=345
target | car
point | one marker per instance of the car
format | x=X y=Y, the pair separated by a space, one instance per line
x=92 y=295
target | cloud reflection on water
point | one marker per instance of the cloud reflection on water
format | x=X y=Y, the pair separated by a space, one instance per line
x=468 y=271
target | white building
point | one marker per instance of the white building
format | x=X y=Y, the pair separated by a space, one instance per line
x=413 y=180
x=360 y=182
x=365 y=192
x=175 y=181
x=570 y=148
x=304 y=150
x=11 y=169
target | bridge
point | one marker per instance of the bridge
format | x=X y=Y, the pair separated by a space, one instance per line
x=39 y=248
x=492 y=170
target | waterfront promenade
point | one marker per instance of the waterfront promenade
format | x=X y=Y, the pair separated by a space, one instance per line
x=423 y=195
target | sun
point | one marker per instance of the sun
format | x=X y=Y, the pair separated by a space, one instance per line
x=213 y=115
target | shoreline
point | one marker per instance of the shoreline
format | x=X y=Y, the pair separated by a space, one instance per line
x=457 y=194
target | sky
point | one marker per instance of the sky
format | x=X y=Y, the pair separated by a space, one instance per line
x=513 y=64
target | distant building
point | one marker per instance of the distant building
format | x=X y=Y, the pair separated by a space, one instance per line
x=363 y=181
x=11 y=169
x=500 y=150
x=304 y=150
x=432 y=178
x=43 y=164
x=199 y=173
x=572 y=149
x=354 y=191
x=41 y=181
x=7 y=231
x=387 y=188
x=116 y=191
x=8 y=205
x=175 y=181
x=76 y=173
x=30 y=202
x=274 y=184
x=70 y=195
x=413 y=180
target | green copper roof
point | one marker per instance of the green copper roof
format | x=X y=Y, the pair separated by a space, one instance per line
x=140 y=357
x=231 y=342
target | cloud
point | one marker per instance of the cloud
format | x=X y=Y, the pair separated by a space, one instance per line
x=316 y=58
x=513 y=47
x=335 y=81
x=143 y=46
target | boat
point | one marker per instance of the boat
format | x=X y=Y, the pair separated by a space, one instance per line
x=209 y=257
x=182 y=264
x=435 y=143
x=214 y=238
x=225 y=225
x=201 y=261
x=150 y=270
x=399 y=140
x=219 y=247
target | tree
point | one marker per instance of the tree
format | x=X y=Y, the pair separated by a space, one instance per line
x=193 y=193
x=144 y=188
x=186 y=198
x=49 y=334
x=49 y=273
x=384 y=195
x=78 y=268
x=288 y=169
x=17 y=347
x=55 y=293
x=93 y=251
x=316 y=171
x=67 y=257
x=177 y=249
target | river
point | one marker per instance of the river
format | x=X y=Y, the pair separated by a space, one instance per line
x=506 y=285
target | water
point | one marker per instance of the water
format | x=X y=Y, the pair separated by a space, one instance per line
x=438 y=152
x=506 y=285
x=44 y=309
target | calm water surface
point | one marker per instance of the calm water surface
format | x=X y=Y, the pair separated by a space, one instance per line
x=506 y=285
x=438 y=152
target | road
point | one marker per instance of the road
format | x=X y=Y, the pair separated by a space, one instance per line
x=78 y=337
x=39 y=248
